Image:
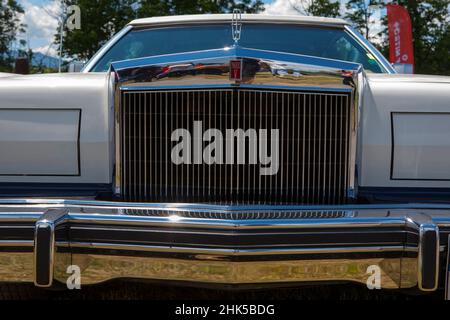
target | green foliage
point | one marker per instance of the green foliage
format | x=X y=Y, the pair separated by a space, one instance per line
x=319 y=8
x=431 y=35
x=360 y=13
x=100 y=19
x=10 y=27
x=41 y=69
x=150 y=8
x=247 y=6
x=324 y=8
x=440 y=65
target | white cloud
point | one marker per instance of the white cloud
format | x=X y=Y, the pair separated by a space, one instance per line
x=284 y=7
x=41 y=21
x=49 y=50
x=287 y=7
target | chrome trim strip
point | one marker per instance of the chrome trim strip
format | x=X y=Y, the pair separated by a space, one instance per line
x=16 y=243
x=68 y=244
x=447 y=271
x=230 y=224
x=14 y=217
x=117 y=142
x=239 y=252
x=56 y=203
x=202 y=19
x=356 y=105
x=173 y=88
x=369 y=47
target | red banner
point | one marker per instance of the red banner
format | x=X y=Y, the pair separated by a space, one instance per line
x=400 y=35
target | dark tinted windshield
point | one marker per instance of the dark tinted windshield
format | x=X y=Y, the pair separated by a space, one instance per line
x=314 y=41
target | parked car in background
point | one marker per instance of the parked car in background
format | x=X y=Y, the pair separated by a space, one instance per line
x=229 y=151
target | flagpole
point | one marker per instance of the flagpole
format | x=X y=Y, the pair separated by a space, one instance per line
x=61 y=45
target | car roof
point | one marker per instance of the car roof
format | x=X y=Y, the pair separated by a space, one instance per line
x=227 y=18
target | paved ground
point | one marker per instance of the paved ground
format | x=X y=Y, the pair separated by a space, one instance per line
x=126 y=290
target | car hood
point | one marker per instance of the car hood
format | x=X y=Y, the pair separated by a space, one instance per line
x=412 y=78
x=4 y=75
x=48 y=80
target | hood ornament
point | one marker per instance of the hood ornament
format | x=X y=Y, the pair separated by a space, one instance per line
x=236 y=25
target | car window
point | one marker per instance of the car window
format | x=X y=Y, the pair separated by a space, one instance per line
x=329 y=43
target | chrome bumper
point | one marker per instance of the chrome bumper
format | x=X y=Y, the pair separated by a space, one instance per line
x=222 y=245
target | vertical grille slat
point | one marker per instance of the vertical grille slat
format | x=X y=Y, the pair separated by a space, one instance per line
x=314 y=140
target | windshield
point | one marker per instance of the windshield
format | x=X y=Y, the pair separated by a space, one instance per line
x=321 y=42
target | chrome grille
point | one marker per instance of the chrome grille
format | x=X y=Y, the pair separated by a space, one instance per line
x=241 y=215
x=314 y=146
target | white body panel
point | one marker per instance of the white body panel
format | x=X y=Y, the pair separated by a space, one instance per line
x=421 y=151
x=55 y=129
x=405 y=132
x=29 y=145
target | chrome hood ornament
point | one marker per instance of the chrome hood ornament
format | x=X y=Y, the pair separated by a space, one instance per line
x=236 y=26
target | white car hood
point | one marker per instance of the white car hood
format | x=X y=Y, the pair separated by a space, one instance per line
x=4 y=75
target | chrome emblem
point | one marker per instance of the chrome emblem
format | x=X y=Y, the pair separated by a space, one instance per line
x=236 y=70
x=236 y=25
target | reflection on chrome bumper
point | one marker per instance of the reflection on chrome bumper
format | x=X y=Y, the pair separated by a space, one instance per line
x=221 y=245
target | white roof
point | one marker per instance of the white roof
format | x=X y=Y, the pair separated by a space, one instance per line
x=217 y=18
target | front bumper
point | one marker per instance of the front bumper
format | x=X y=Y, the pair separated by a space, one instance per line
x=223 y=245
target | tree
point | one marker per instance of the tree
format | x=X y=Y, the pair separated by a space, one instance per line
x=155 y=8
x=431 y=35
x=360 y=13
x=100 y=19
x=440 y=65
x=10 y=27
x=320 y=8
x=151 y=8
x=246 y=6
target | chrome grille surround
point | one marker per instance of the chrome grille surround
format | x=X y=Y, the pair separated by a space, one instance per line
x=206 y=73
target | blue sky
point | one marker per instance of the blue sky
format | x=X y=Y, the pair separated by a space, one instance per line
x=41 y=25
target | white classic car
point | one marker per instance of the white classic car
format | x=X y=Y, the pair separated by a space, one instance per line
x=229 y=151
